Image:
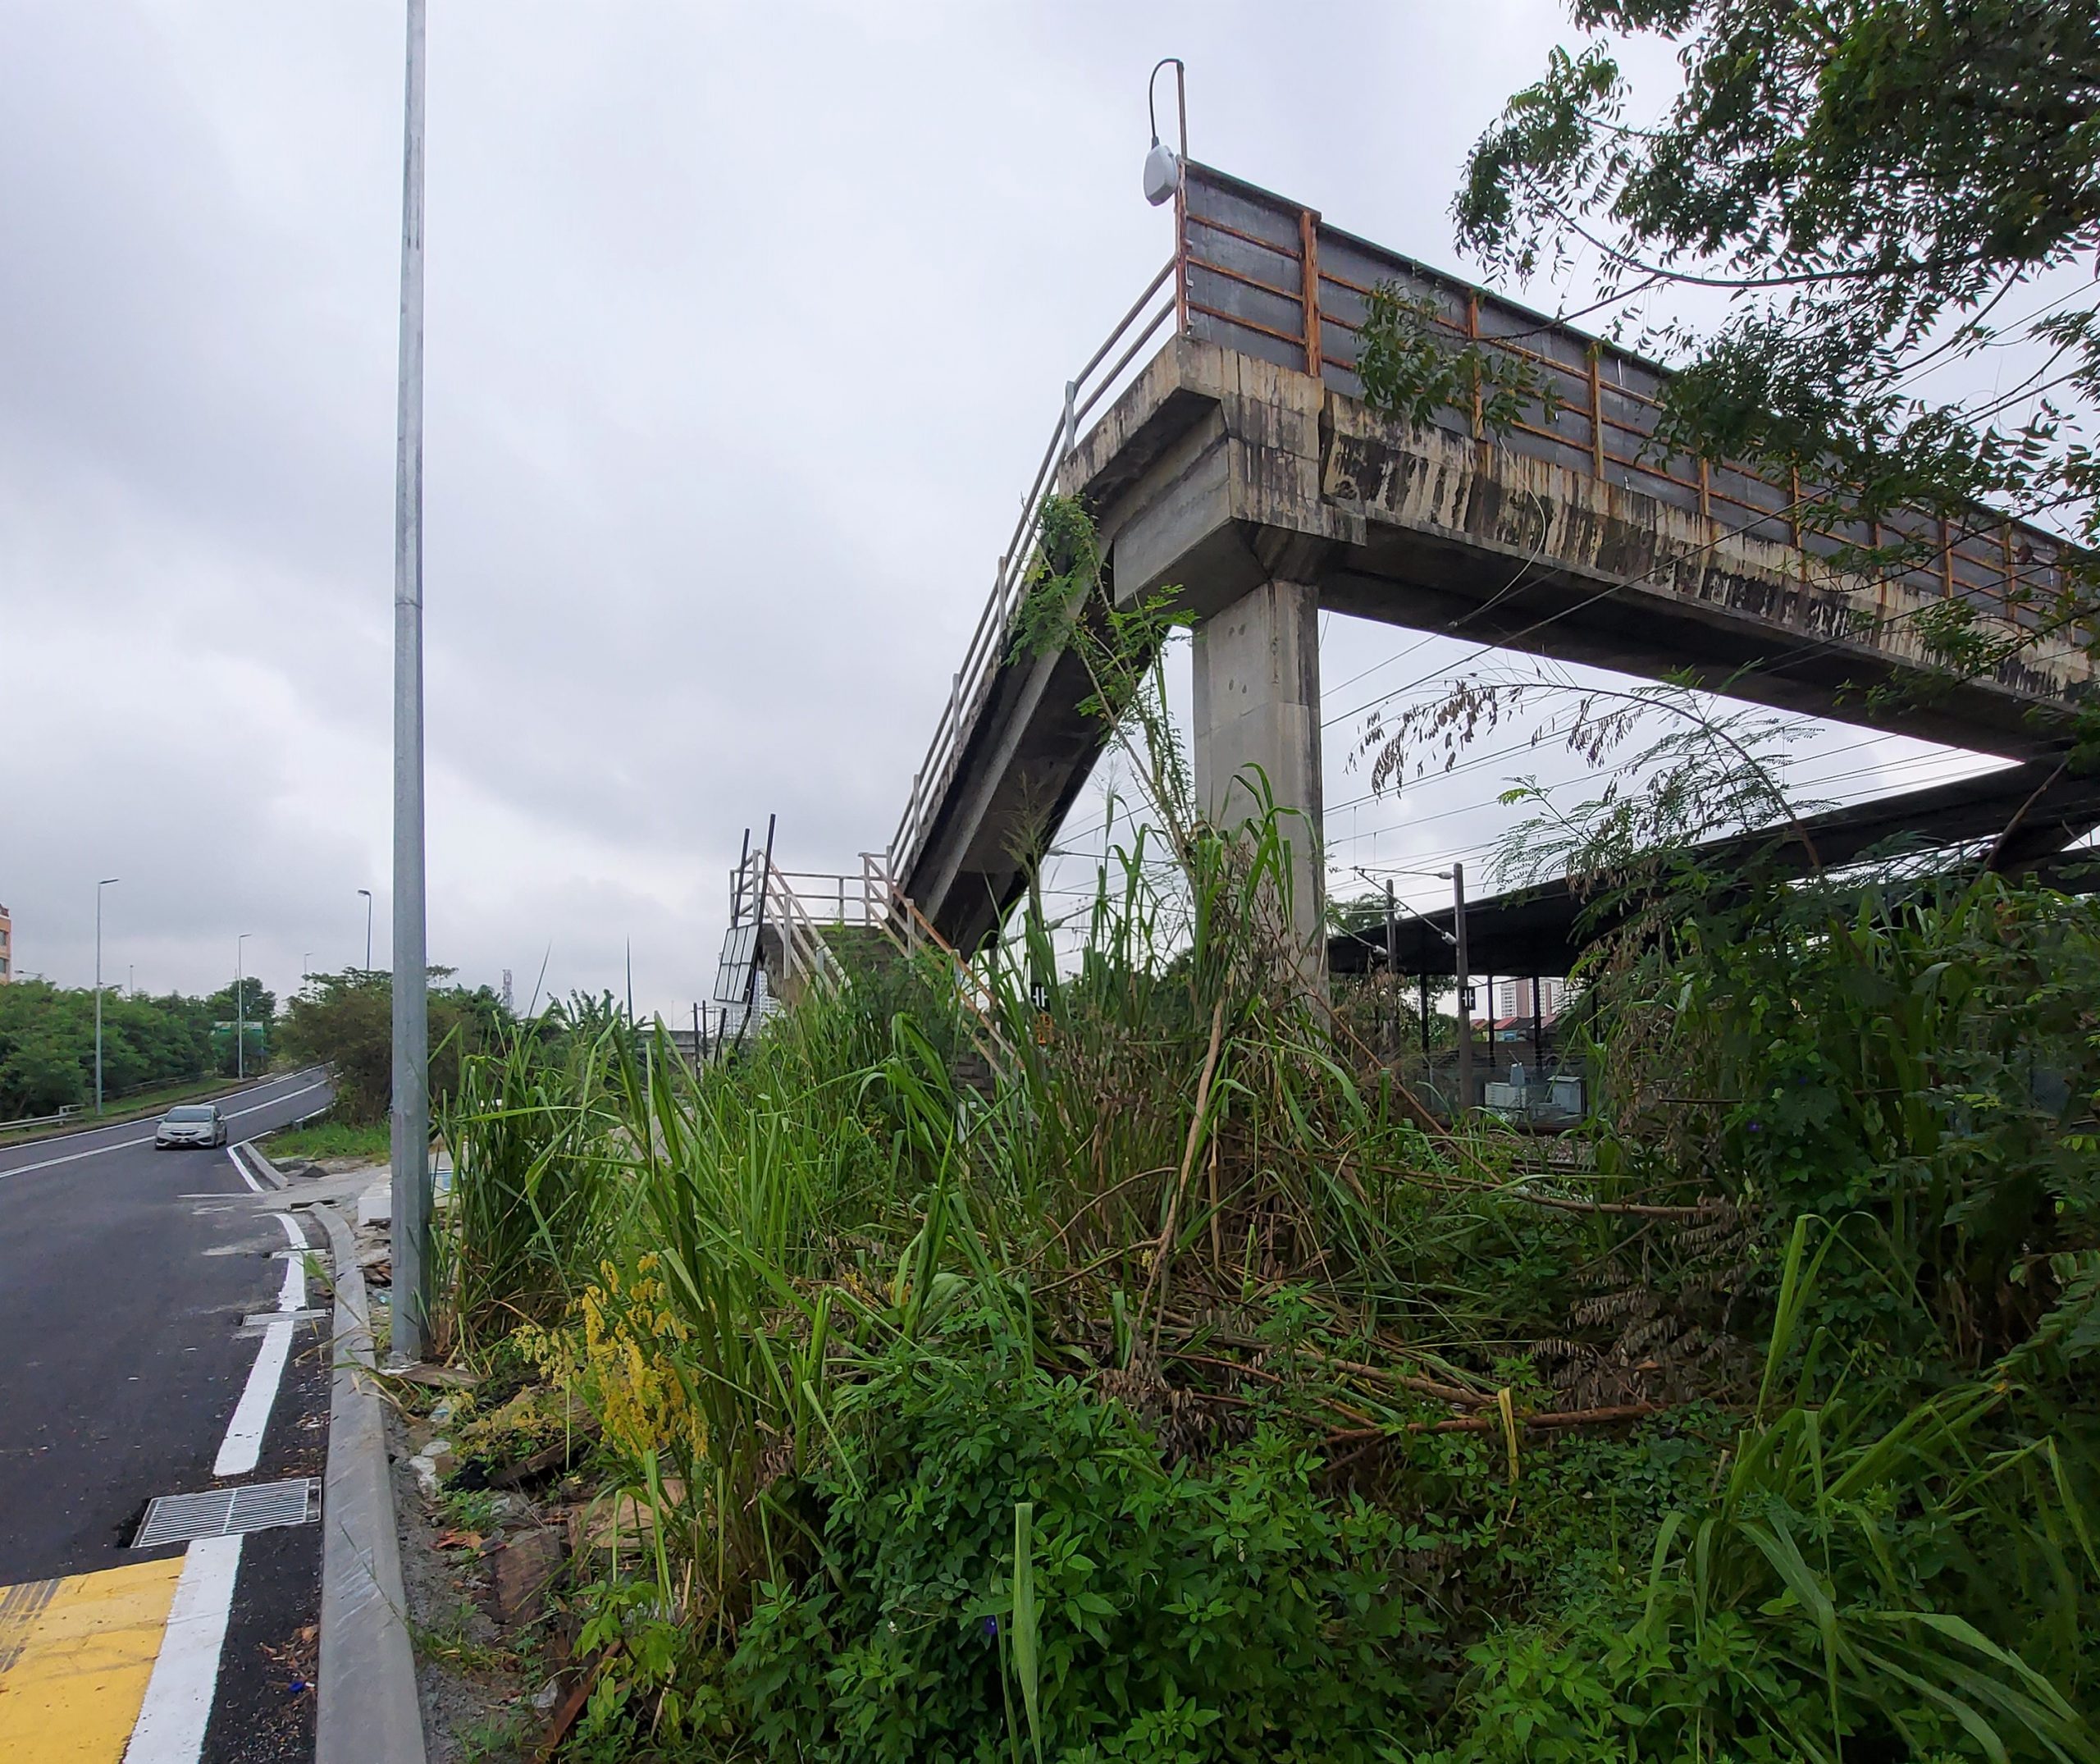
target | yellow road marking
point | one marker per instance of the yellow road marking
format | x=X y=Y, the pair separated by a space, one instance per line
x=75 y=1657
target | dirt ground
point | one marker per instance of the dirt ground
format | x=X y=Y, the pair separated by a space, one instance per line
x=474 y=1676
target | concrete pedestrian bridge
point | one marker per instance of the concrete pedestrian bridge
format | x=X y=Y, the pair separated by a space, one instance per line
x=1238 y=464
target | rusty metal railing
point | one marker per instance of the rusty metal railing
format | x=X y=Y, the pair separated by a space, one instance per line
x=1269 y=277
x=801 y=905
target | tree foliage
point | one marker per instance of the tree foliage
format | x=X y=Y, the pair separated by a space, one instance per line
x=347 y=1020
x=1869 y=185
x=48 y=1042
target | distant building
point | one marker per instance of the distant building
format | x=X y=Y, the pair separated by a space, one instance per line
x=1513 y=997
x=6 y=948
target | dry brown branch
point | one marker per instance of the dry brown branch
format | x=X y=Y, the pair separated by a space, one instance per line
x=1619 y=1209
x=1482 y=1424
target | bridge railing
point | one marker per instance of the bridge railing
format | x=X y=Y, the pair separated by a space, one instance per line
x=802 y=905
x=971 y=684
x=1269 y=277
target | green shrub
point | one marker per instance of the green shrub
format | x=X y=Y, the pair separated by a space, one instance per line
x=1225 y=1613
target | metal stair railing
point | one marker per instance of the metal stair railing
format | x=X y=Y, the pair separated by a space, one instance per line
x=805 y=955
x=971 y=684
x=796 y=903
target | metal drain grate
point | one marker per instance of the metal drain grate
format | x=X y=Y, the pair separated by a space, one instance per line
x=224 y=1512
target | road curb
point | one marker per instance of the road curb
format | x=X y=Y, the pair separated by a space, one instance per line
x=264 y=1168
x=367 y=1712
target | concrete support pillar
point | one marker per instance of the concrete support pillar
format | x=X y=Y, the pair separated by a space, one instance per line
x=1256 y=665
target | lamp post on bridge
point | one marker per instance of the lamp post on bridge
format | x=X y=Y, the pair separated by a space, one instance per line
x=1163 y=164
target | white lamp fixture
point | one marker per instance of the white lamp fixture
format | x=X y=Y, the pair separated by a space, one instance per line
x=1162 y=172
x=1163 y=164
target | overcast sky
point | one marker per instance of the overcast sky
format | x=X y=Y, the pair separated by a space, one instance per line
x=745 y=328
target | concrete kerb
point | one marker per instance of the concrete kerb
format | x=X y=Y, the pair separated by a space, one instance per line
x=367 y=1712
x=261 y=1165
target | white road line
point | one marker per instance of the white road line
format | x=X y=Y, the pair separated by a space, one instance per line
x=96 y=1151
x=307 y=1089
x=242 y=1445
x=292 y=1297
x=233 y=1156
x=178 y=1703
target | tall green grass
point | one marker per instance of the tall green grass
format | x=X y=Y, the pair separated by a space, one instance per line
x=1184 y=1164
x=537 y=1131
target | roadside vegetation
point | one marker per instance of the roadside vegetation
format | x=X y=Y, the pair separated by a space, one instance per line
x=327 y=1138
x=1190 y=1393
x=345 y=1020
x=167 y=1045
x=1192 y=1397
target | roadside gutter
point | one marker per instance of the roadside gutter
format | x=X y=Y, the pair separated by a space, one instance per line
x=367 y=1712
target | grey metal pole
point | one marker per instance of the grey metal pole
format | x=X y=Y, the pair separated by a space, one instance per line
x=99 y=887
x=1465 y=1011
x=240 y=1006
x=1393 y=965
x=366 y=893
x=411 y=1122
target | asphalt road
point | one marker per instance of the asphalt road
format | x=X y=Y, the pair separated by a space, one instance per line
x=126 y=1274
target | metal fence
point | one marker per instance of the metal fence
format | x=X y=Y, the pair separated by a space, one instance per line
x=1269 y=278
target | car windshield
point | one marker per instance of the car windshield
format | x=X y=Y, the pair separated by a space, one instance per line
x=190 y=1115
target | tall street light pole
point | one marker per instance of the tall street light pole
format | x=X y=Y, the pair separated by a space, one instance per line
x=366 y=893
x=240 y=1006
x=99 y=886
x=411 y=1122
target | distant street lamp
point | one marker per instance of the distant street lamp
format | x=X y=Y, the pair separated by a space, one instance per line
x=99 y=886
x=366 y=893
x=240 y=1008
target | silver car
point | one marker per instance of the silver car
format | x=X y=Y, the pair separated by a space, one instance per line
x=192 y=1124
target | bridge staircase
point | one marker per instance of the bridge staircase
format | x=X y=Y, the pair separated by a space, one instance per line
x=815 y=930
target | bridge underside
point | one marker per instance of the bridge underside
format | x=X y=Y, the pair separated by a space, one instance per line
x=1232 y=479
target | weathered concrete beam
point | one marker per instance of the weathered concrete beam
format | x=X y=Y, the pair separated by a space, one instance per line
x=1216 y=471
x=1226 y=476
